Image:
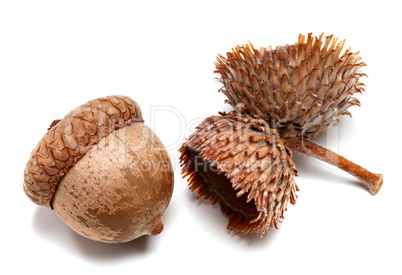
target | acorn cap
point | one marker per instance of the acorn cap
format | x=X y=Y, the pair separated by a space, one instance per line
x=300 y=89
x=241 y=163
x=67 y=141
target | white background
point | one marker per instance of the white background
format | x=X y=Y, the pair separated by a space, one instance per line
x=56 y=55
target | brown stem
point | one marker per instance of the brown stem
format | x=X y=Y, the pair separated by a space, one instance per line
x=371 y=181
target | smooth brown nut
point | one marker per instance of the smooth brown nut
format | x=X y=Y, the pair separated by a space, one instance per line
x=105 y=173
x=120 y=188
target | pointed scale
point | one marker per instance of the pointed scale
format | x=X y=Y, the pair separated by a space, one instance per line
x=281 y=84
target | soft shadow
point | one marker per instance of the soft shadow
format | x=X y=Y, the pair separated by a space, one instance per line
x=310 y=168
x=259 y=241
x=172 y=212
x=214 y=222
x=48 y=226
x=104 y=252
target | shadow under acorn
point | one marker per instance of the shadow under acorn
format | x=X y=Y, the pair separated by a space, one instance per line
x=47 y=225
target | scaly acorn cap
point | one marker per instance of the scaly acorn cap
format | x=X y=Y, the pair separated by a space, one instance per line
x=67 y=141
x=300 y=89
x=241 y=163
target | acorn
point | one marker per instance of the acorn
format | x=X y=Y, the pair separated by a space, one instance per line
x=300 y=90
x=238 y=161
x=104 y=172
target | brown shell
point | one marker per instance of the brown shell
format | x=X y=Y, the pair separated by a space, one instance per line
x=300 y=89
x=120 y=189
x=253 y=157
x=70 y=138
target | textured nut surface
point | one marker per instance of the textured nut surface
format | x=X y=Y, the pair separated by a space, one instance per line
x=119 y=189
x=299 y=89
x=256 y=163
x=68 y=140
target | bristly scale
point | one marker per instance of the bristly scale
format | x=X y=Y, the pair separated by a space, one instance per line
x=299 y=89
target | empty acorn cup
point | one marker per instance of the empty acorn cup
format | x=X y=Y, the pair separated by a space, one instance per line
x=239 y=162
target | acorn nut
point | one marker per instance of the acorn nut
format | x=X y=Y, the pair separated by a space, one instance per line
x=105 y=173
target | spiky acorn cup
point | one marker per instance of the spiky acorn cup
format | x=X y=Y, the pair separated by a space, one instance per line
x=241 y=163
x=301 y=90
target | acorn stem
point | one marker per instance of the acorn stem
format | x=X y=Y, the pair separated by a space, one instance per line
x=371 y=181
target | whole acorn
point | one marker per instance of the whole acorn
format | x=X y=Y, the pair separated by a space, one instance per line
x=105 y=173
